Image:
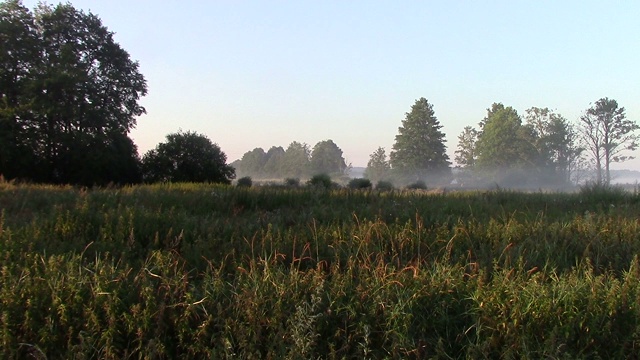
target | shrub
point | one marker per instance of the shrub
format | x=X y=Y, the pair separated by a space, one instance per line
x=321 y=181
x=418 y=185
x=245 y=181
x=383 y=185
x=359 y=183
x=293 y=182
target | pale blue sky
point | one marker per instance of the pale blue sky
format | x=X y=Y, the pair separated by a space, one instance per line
x=261 y=73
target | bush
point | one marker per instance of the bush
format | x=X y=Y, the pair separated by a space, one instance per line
x=418 y=185
x=359 y=183
x=245 y=181
x=384 y=185
x=292 y=182
x=321 y=181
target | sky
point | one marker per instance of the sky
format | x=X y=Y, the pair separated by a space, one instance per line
x=253 y=74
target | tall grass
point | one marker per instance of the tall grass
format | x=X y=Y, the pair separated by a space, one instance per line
x=195 y=271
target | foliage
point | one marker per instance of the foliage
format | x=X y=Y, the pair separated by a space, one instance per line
x=252 y=163
x=606 y=134
x=466 y=154
x=213 y=271
x=245 y=181
x=418 y=185
x=503 y=142
x=322 y=181
x=187 y=156
x=68 y=98
x=273 y=162
x=296 y=160
x=292 y=182
x=378 y=167
x=419 y=146
x=384 y=185
x=326 y=157
x=359 y=183
x=556 y=142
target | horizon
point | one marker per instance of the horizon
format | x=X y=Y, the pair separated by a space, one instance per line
x=250 y=74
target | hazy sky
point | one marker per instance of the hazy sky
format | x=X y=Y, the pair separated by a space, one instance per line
x=260 y=73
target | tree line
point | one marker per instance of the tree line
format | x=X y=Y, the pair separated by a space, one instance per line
x=69 y=97
x=541 y=148
x=298 y=160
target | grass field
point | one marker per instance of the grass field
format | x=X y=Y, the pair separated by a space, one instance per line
x=205 y=271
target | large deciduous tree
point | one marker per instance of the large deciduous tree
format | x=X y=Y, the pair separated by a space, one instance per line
x=187 y=157
x=295 y=161
x=65 y=86
x=607 y=133
x=326 y=158
x=419 y=147
x=273 y=162
x=503 y=142
x=252 y=163
x=555 y=140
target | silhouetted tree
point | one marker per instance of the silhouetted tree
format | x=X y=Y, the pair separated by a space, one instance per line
x=65 y=86
x=187 y=157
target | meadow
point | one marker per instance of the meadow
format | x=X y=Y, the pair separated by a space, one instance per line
x=184 y=271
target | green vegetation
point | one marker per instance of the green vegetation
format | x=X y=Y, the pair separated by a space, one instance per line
x=216 y=271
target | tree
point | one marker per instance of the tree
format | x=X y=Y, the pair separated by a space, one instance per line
x=326 y=158
x=273 y=163
x=295 y=162
x=19 y=55
x=66 y=85
x=466 y=153
x=187 y=157
x=419 y=146
x=378 y=166
x=555 y=141
x=503 y=142
x=252 y=163
x=607 y=133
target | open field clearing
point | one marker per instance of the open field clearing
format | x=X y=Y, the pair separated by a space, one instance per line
x=206 y=271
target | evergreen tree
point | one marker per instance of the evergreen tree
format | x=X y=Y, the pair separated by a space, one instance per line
x=419 y=148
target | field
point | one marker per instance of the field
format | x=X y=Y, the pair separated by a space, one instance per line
x=204 y=271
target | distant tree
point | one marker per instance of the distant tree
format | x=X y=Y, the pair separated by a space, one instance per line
x=555 y=141
x=65 y=86
x=378 y=166
x=466 y=153
x=187 y=157
x=503 y=142
x=295 y=161
x=252 y=163
x=326 y=157
x=273 y=162
x=607 y=133
x=419 y=146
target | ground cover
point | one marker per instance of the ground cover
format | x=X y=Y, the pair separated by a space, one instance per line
x=208 y=271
